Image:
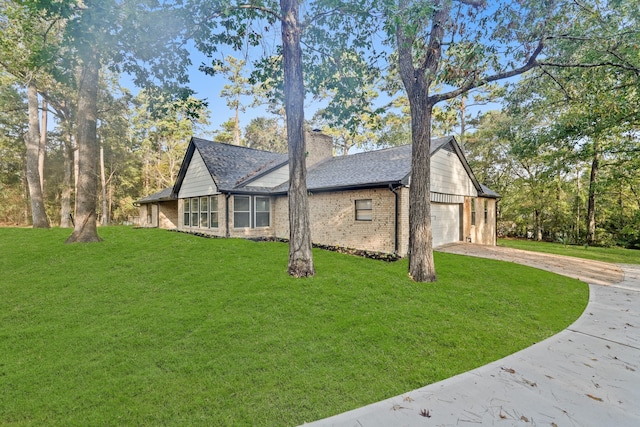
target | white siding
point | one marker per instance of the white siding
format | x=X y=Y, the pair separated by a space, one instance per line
x=272 y=179
x=449 y=176
x=197 y=181
x=445 y=223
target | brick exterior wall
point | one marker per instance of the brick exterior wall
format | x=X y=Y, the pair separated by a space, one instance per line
x=483 y=232
x=161 y=214
x=333 y=222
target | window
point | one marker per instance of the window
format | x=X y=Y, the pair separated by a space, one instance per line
x=194 y=212
x=262 y=212
x=213 y=211
x=486 y=211
x=241 y=211
x=204 y=212
x=364 y=210
x=185 y=205
x=473 y=211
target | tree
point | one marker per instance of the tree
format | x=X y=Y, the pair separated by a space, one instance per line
x=232 y=68
x=266 y=134
x=24 y=44
x=436 y=46
x=129 y=36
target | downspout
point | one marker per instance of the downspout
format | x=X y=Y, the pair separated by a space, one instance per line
x=226 y=214
x=396 y=225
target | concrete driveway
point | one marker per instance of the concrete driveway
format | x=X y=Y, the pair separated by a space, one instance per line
x=587 y=375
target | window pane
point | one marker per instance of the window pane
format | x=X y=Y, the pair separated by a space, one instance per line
x=185 y=205
x=194 y=219
x=262 y=204
x=186 y=219
x=262 y=219
x=204 y=205
x=364 y=215
x=240 y=219
x=241 y=203
x=194 y=205
x=213 y=208
x=204 y=219
x=363 y=204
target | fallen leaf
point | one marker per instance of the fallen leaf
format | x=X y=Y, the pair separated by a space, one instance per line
x=503 y=416
x=408 y=399
x=629 y=368
x=595 y=398
x=509 y=370
x=554 y=425
x=425 y=413
x=525 y=419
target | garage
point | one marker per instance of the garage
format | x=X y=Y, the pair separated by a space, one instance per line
x=445 y=223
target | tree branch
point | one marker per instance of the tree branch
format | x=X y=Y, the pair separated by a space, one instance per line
x=531 y=63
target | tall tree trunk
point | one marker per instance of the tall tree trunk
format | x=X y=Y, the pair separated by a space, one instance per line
x=300 y=255
x=43 y=145
x=38 y=213
x=417 y=82
x=85 y=229
x=65 y=204
x=421 y=262
x=591 y=203
x=538 y=225
x=103 y=182
x=236 y=125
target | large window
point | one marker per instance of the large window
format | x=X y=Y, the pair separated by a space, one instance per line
x=251 y=211
x=241 y=211
x=200 y=212
x=364 y=210
x=263 y=212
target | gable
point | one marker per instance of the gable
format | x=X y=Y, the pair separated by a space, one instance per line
x=272 y=179
x=197 y=179
x=449 y=176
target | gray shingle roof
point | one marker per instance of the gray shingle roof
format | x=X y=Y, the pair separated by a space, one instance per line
x=231 y=165
x=160 y=196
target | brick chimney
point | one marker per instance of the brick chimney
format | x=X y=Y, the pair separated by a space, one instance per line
x=319 y=147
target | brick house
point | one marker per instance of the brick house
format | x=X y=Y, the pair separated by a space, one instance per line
x=358 y=201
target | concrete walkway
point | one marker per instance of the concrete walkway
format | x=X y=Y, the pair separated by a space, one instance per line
x=587 y=375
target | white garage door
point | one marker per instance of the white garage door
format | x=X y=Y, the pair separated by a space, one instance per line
x=445 y=223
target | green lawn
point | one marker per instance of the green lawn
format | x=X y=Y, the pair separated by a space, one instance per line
x=151 y=327
x=614 y=255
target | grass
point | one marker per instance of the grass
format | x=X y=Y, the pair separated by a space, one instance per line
x=157 y=328
x=613 y=255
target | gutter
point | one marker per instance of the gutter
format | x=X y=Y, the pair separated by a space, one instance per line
x=226 y=214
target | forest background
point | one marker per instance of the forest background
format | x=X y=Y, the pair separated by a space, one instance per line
x=561 y=147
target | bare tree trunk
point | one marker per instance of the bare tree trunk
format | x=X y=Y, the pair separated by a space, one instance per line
x=43 y=145
x=103 y=181
x=421 y=262
x=85 y=229
x=38 y=212
x=65 y=205
x=300 y=255
x=591 y=204
x=538 y=225
x=417 y=82
x=237 y=126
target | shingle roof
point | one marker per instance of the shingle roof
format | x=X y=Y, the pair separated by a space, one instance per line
x=368 y=169
x=231 y=165
x=160 y=196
